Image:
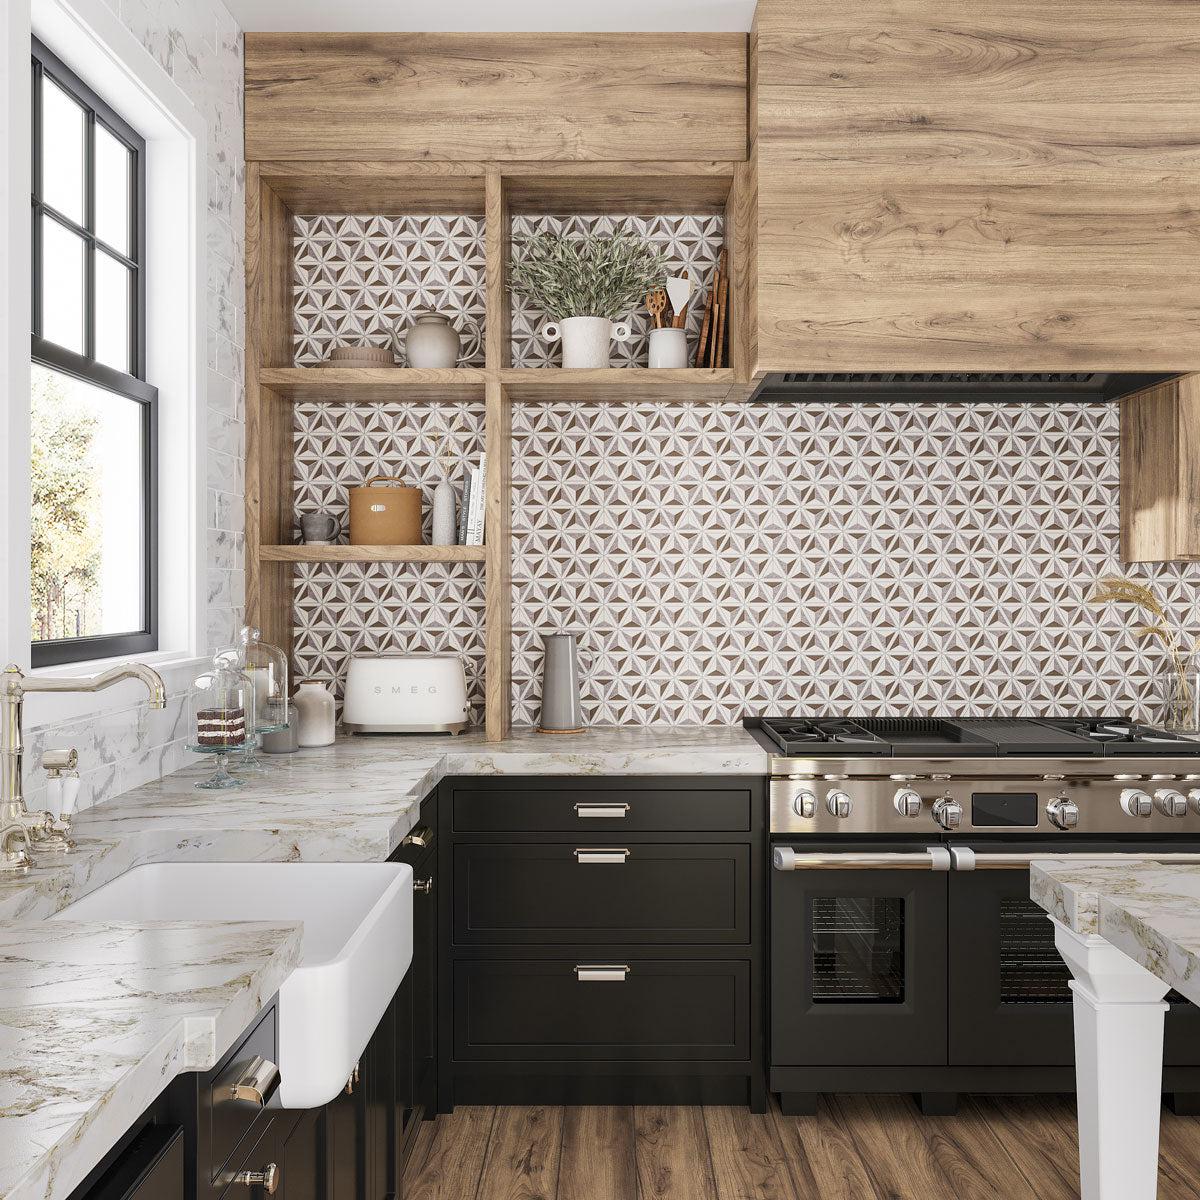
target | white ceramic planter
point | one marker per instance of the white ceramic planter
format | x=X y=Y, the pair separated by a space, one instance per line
x=585 y=339
x=668 y=348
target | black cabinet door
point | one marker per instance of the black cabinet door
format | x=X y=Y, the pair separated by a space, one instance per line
x=612 y=1008
x=149 y=1168
x=299 y=1157
x=858 y=967
x=588 y=892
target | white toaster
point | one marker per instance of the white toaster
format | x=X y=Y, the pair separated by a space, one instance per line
x=405 y=693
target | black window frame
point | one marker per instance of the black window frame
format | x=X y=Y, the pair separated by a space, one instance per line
x=84 y=366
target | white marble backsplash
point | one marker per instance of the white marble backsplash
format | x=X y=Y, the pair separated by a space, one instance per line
x=199 y=44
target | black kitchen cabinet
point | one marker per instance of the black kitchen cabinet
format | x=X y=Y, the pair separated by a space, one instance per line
x=601 y=941
x=150 y=1166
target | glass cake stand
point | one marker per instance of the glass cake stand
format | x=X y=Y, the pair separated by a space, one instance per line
x=221 y=777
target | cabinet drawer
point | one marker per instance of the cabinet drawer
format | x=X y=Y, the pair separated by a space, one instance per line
x=231 y=1121
x=631 y=1009
x=600 y=891
x=503 y=809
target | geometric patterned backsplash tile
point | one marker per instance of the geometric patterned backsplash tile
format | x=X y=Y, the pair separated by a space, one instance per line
x=384 y=606
x=718 y=559
x=360 y=279
x=722 y=559
x=691 y=242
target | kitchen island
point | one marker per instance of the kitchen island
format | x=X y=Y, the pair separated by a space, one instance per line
x=1129 y=933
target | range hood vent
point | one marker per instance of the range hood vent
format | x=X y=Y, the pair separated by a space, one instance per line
x=990 y=387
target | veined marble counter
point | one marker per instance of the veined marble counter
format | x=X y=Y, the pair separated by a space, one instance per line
x=95 y=1020
x=1150 y=911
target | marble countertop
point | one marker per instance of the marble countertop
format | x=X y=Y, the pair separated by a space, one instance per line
x=95 y=1020
x=1150 y=911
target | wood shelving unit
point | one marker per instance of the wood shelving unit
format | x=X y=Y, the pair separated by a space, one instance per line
x=278 y=192
x=368 y=554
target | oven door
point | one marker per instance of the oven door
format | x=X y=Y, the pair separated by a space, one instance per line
x=1010 y=999
x=858 y=955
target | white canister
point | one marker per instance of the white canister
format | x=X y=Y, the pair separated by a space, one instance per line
x=432 y=342
x=585 y=339
x=316 y=711
x=668 y=348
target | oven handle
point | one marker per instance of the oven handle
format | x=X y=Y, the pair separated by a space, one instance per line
x=966 y=859
x=932 y=858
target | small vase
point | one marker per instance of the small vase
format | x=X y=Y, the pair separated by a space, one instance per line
x=585 y=339
x=444 y=531
x=562 y=711
x=1181 y=711
x=315 y=712
x=432 y=342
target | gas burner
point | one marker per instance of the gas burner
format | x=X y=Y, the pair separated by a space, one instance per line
x=1121 y=735
x=796 y=735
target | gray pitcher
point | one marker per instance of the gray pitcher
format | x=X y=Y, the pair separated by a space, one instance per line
x=561 y=709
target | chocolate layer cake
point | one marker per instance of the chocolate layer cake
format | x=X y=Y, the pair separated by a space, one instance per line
x=221 y=727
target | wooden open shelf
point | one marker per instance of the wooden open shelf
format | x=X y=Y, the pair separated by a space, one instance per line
x=616 y=384
x=277 y=192
x=371 y=554
x=352 y=385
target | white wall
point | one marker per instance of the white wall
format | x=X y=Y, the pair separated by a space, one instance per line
x=189 y=51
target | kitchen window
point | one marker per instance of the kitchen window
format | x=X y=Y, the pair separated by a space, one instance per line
x=92 y=410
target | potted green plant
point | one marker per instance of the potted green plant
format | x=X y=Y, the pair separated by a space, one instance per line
x=583 y=284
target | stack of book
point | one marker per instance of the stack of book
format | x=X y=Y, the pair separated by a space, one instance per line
x=470 y=516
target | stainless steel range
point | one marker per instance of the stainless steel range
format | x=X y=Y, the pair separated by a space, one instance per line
x=882 y=775
x=906 y=954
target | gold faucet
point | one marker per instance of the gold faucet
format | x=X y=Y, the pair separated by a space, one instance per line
x=19 y=828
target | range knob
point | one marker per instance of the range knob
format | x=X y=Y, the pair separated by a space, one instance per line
x=1063 y=812
x=838 y=803
x=907 y=802
x=1136 y=803
x=1170 y=802
x=947 y=813
x=805 y=804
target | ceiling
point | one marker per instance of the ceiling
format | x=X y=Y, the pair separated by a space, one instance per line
x=488 y=16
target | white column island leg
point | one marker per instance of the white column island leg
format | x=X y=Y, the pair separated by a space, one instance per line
x=1119 y=1010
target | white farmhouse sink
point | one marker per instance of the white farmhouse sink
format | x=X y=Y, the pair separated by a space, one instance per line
x=356 y=949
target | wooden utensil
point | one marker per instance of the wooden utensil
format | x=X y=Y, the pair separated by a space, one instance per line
x=723 y=308
x=656 y=301
x=679 y=289
x=704 y=328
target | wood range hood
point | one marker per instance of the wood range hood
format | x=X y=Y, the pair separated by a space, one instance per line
x=932 y=387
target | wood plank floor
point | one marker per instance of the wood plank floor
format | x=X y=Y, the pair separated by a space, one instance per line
x=856 y=1148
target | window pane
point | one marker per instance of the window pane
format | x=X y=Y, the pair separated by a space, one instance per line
x=62 y=285
x=87 y=485
x=64 y=128
x=114 y=288
x=114 y=166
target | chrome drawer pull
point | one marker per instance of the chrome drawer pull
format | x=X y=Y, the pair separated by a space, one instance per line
x=267 y=1178
x=607 y=973
x=601 y=855
x=421 y=836
x=256 y=1082
x=603 y=812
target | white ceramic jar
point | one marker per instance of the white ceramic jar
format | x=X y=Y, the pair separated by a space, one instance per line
x=315 y=711
x=432 y=342
x=585 y=339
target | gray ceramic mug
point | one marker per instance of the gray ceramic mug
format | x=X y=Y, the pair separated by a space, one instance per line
x=561 y=708
x=318 y=529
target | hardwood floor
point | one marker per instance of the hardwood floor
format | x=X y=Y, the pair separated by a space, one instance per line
x=856 y=1148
